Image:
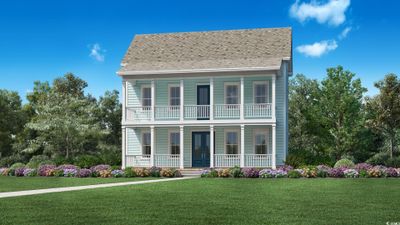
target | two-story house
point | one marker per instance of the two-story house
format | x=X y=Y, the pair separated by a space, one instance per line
x=206 y=99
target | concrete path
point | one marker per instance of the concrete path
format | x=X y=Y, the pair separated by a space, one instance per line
x=77 y=188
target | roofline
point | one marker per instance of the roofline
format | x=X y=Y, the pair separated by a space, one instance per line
x=213 y=70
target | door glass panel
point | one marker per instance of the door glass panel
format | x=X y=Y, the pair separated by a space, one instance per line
x=197 y=147
x=207 y=147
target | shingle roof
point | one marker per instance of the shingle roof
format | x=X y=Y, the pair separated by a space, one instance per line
x=251 y=48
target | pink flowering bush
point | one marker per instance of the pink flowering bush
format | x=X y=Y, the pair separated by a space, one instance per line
x=250 y=172
x=84 y=173
x=392 y=172
x=46 y=170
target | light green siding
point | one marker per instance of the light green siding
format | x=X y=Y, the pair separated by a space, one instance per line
x=281 y=118
x=190 y=86
x=134 y=91
x=133 y=141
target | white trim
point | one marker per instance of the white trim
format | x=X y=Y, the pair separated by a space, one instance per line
x=212 y=149
x=169 y=93
x=147 y=78
x=266 y=82
x=170 y=131
x=231 y=130
x=274 y=146
x=241 y=98
x=200 y=122
x=242 y=147
x=237 y=84
x=123 y=141
x=181 y=147
x=264 y=131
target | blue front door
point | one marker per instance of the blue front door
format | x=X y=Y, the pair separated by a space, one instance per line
x=201 y=149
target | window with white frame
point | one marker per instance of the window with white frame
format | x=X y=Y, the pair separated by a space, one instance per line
x=146 y=143
x=261 y=94
x=174 y=96
x=261 y=142
x=232 y=142
x=146 y=97
x=231 y=94
x=174 y=143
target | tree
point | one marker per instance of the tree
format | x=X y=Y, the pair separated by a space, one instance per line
x=110 y=116
x=384 y=110
x=70 y=85
x=342 y=110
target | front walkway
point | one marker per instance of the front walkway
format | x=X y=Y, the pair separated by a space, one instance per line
x=77 y=188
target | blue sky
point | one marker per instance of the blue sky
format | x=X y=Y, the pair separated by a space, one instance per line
x=41 y=40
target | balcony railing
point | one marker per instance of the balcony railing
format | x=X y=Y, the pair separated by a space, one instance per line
x=257 y=160
x=226 y=160
x=199 y=112
x=166 y=160
x=138 y=160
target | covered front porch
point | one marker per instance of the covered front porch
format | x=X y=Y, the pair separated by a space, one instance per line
x=200 y=146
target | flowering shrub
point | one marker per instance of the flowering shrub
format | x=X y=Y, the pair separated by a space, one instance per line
x=209 y=173
x=362 y=166
x=142 y=172
x=391 y=172
x=105 y=173
x=344 y=163
x=295 y=173
x=19 y=172
x=14 y=167
x=167 y=172
x=4 y=171
x=67 y=166
x=224 y=173
x=70 y=172
x=46 y=170
x=350 y=173
x=377 y=171
x=117 y=173
x=270 y=173
x=129 y=172
x=309 y=172
x=96 y=169
x=155 y=171
x=84 y=173
x=57 y=173
x=177 y=173
x=29 y=172
x=236 y=172
x=336 y=172
x=286 y=168
x=250 y=172
x=322 y=170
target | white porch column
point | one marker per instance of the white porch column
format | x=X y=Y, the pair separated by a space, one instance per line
x=123 y=147
x=273 y=97
x=242 y=146
x=211 y=98
x=182 y=91
x=273 y=146
x=153 y=100
x=211 y=146
x=181 y=147
x=241 y=98
x=152 y=144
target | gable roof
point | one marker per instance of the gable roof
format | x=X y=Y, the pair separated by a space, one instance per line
x=252 y=49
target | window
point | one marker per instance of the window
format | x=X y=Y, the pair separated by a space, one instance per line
x=231 y=94
x=232 y=142
x=174 y=142
x=146 y=97
x=146 y=143
x=174 y=96
x=261 y=93
x=261 y=142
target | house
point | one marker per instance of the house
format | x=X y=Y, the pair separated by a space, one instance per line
x=206 y=99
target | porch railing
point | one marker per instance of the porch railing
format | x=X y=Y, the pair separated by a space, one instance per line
x=197 y=111
x=138 y=113
x=257 y=160
x=226 y=160
x=166 y=160
x=138 y=160
x=258 y=110
x=167 y=112
x=226 y=111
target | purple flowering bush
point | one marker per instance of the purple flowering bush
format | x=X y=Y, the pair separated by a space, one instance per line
x=4 y=171
x=336 y=172
x=67 y=166
x=323 y=170
x=72 y=172
x=97 y=169
x=29 y=172
x=250 y=172
x=392 y=172
x=350 y=173
x=19 y=172
x=117 y=173
x=84 y=173
x=46 y=170
x=270 y=173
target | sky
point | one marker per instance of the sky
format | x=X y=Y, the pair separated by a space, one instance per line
x=42 y=40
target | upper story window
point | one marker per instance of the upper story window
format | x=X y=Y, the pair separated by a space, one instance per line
x=146 y=143
x=146 y=96
x=261 y=142
x=174 y=96
x=261 y=92
x=174 y=143
x=231 y=94
x=232 y=142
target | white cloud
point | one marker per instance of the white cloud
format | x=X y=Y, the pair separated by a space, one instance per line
x=331 y=12
x=318 y=48
x=97 y=53
x=344 y=33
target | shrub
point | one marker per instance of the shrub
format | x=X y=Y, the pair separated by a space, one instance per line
x=309 y=172
x=86 y=161
x=46 y=170
x=14 y=167
x=362 y=166
x=84 y=173
x=286 y=168
x=70 y=172
x=117 y=173
x=294 y=160
x=250 y=172
x=36 y=160
x=322 y=170
x=336 y=172
x=105 y=173
x=129 y=172
x=380 y=158
x=177 y=173
x=377 y=171
x=47 y=162
x=391 y=172
x=209 y=173
x=350 y=173
x=142 y=172
x=29 y=172
x=224 y=173
x=19 y=172
x=270 y=173
x=347 y=163
x=294 y=173
x=236 y=172
x=67 y=166
x=167 y=172
x=96 y=169
x=4 y=171
x=393 y=162
x=56 y=172
x=155 y=171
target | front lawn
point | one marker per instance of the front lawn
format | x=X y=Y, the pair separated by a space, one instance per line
x=216 y=201
x=30 y=183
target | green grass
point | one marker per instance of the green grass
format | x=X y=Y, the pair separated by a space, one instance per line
x=30 y=183
x=216 y=201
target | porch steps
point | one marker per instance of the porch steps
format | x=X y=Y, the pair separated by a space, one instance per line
x=191 y=172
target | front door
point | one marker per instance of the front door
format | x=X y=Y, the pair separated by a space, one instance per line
x=201 y=149
x=203 y=102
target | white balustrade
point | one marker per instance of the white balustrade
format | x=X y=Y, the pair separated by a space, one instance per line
x=166 y=160
x=258 y=110
x=138 y=160
x=226 y=160
x=167 y=112
x=197 y=111
x=257 y=160
x=138 y=113
x=227 y=111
